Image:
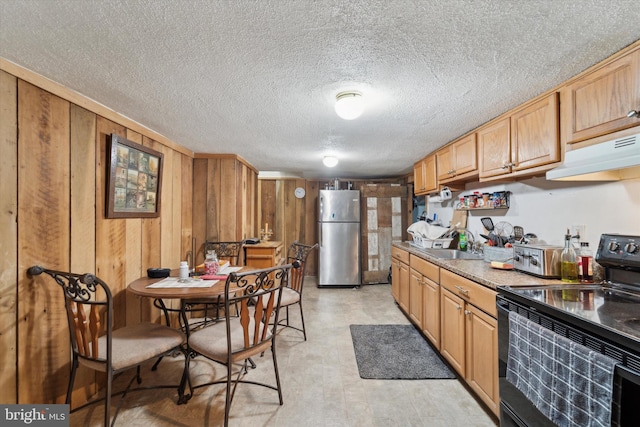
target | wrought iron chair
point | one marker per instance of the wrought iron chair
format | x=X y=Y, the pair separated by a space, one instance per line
x=204 y=312
x=292 y=294
x=94 y=343
x=233 y=342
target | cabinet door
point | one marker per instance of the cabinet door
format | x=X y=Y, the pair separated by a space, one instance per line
x=535 y=139
x=444 y=164
x=395 y=280
x=494 y=148
x=403 y=286
x=418 y=178
x=465 y=156
x=599 y=102
x=430 y=174
x=452 y=326
x=415 y=297
x=482 y=355
x=431 y=311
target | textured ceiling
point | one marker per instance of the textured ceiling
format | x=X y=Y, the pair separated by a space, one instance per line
x=259 y=78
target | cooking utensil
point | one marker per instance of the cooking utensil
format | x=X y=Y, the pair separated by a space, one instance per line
x=487 y=223
x=518 y=233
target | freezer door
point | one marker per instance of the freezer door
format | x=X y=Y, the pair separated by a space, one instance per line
x=339 y=206
x=339 y=254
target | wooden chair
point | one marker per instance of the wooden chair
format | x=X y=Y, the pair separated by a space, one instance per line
x=233 y=342
x=292 y=294
x=94 y=344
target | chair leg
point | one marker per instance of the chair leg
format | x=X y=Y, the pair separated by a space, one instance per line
x=184 y=381
x=155 y=365
x=275 y=368
x=227 y=405
x=72 y=378
x=304 y=329
x=107 y=400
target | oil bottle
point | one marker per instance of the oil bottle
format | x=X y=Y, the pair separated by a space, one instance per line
x=568 y=261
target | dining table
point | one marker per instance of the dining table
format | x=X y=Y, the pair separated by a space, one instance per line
x=194 y=290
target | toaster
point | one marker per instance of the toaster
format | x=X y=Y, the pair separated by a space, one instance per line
x=538 y=260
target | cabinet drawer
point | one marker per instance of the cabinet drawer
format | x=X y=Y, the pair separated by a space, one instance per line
x=472 y=292
x=425 y=268
x=400 y=255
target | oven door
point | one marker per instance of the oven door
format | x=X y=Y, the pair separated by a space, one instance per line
x=515 y=409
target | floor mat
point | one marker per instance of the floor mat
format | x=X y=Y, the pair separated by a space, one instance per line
x=396 y=352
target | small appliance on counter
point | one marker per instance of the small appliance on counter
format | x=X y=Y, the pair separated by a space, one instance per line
x=538 y=260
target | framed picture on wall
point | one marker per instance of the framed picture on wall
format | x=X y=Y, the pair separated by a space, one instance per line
x=134 y=178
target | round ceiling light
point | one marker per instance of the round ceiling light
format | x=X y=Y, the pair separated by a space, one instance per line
x=330 y=161
x=349 y=105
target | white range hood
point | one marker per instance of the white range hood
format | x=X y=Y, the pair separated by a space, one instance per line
x=606 y=161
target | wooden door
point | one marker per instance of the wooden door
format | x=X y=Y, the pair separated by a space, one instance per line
x=599 y=102
x=415 y=297
x=431 y=311
x=418 y=178
x=464 y=155
x=444 y=163
x=430 y=174
x=482 y=356
x=494 y=148
x=535 y=139
x=452 y=344
x=403 y=289
x=395 y=280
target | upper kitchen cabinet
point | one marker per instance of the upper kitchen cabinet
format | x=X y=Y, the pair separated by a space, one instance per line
x=424 y=176
x=525 y=143
x=600 y=102
x=458 y=161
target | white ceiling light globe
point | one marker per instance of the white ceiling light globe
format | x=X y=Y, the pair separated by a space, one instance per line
x=349 y=105
x=330 y=161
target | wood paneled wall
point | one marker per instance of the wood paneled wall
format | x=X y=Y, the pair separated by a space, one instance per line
x=296 y=219
x=52 y=191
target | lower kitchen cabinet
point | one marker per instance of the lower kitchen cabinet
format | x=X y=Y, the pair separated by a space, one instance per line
x=469 y=338
x=400 y=277
x=425 y=307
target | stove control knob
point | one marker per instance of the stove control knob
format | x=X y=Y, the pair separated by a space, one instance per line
x=631 y=248
x=534 y=261
x=614 y=247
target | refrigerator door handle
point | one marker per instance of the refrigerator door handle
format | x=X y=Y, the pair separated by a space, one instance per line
x=320 y=236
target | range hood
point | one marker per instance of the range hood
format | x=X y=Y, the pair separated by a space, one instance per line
x=606 y=161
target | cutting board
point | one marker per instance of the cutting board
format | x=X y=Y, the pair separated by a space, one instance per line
x=459 y=216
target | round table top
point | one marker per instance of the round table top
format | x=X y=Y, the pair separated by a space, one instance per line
x=139 y=287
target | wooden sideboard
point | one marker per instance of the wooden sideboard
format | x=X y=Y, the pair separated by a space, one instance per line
x=263 y=254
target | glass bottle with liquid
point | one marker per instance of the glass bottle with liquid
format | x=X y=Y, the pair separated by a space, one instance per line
x=568 y=261
x=586 y=263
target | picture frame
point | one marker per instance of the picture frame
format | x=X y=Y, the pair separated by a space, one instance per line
x=134 y=180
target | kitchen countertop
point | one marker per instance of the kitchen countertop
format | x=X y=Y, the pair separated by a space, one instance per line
x=479 y=271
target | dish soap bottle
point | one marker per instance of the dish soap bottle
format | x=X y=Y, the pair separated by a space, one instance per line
x=462 y=242
x=211 y=263
x=568 y=261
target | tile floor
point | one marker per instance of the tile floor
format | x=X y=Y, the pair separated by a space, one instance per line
x=320 y=381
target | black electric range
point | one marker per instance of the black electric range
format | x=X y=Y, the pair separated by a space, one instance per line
x=602 y=316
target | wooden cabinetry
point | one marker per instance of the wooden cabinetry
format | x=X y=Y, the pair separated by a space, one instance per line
x=400 y=277
x=263 y=254
x=470 y=334
x=424 y=298
x=458 y=160
x=527 y=142
x=599 y=102
x=424 y=176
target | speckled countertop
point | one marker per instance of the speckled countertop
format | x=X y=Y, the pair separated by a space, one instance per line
x=479 y=271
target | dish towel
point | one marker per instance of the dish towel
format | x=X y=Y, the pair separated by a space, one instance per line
x=570 y=384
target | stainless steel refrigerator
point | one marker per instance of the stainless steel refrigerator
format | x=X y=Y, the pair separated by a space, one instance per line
x=339 y=238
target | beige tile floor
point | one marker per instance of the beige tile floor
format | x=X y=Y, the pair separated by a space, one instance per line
x=320 y=381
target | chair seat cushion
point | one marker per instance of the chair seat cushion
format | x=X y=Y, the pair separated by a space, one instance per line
x=211 y=341
x=135 y=344
x=289 y=296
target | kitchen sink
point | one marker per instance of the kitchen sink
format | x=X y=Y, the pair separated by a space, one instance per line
x=452 y=254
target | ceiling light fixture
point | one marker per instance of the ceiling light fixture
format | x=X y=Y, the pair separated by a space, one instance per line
x=330 y=161
x=349 y=105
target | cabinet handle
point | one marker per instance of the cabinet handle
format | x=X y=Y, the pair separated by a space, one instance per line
x=459 y=308
x=634 y=113
x=467 y=312
x=462 y=290
x=505 y=166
